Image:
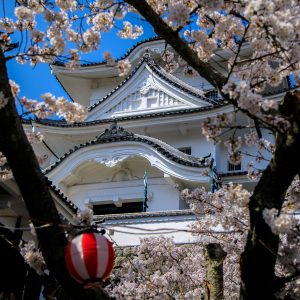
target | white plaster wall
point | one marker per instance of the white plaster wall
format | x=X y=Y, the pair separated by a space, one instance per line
x=222 y=157
x=129 y=232
x=194 y=139
x=40 y=150
x=78 y=88
x=127 y=236
x=101 y=87
x=162 y=196
x=195 y=81
x=59 y=144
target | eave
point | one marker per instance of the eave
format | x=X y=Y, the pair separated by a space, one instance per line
x=131 y=122
x=125 y=144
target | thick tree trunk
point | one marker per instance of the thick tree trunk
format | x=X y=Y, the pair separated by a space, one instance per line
x=214 y=258
x=13 y=268
x=35 y=192
x=259 y=257
x=33 y=286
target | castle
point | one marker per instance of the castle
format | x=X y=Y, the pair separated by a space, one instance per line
x=140 y=145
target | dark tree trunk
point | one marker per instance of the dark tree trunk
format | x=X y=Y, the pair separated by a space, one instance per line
x=12 y=266
x=259 y=258
x=33 y=286
x=214 y=258
x=35 y=192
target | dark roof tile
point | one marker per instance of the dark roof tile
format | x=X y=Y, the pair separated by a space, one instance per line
x=62 y=197
x=116 y=133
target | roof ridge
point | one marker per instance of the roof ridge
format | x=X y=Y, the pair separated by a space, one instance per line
x=126 y=54
x=176 y=79
x=178 y=152
x=63 y=123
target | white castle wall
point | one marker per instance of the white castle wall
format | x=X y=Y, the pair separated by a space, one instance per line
x=101 y=87
x=129 y=233
x=222 y=154
x=162 y=196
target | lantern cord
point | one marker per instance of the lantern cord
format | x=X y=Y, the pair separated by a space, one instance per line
x=146 y=231
x=174 y=231
x=25 y=228
x=166 y=230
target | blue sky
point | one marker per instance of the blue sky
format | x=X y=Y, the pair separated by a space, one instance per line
x=37 y=80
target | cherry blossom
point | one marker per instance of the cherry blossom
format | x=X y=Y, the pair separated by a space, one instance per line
x=84 y=217
x=108 y=57
x=279 y=223
x=158 y=269
x=72 y=112
x=129 y=31
x=178 y=13
x=3 y=100
x=124 y=67
x=268 y=32
x=33 y=257
x=34 y=137
x=15 y=89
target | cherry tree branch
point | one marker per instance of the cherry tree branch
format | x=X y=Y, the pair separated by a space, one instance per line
x=35 y=192
x=182 y=48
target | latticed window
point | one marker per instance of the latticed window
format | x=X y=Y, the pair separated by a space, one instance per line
x=232 y=167
x=106 y=209
x=213 y=95
x=186 y=150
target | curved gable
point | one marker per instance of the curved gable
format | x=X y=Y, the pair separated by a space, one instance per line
x=116 y=145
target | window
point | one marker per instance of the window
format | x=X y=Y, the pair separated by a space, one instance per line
x=213 y=95
x=186 y=150
x=106 y=209
x=232 y=167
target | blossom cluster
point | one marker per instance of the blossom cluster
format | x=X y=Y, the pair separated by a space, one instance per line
x=233 y=145
x=253 y=172
x=226 y=208
x=158 y=269
x=129 y=31
x=5 y=172
x=254 y=104
x=222 y=217
x=34 y=137
x=279 y=223
x=84 y=217
x=72 y=112
x=3 y=100
x=123 y=67
x=286 y=224
x=286 y=220
x=212 y=127
x=71 y=27
x=33 y=257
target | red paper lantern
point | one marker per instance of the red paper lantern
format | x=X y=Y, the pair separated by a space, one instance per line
x=89 y=257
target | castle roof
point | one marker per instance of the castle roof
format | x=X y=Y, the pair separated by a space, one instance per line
x=118 y=134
